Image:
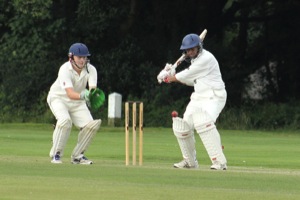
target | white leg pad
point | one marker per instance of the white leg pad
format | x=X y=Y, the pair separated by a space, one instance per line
x=210 y=137
x=85 y=137
x=186 y=140
x=60 y=136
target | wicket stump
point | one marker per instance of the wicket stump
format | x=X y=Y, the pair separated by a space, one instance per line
x=134 y=121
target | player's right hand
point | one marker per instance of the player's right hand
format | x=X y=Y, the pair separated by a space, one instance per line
x=85 y=95
x=162 y=75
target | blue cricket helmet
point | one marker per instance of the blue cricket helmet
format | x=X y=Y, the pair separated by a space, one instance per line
x=79 y=49
x=190 y=41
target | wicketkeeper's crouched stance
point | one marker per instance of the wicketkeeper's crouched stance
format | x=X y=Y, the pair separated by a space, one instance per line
x=206 y=103
x=69 y=99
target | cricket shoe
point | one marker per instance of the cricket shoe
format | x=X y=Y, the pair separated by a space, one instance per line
x=56 y=159
x=83 y=161
x=218 y=166
x=185 y=164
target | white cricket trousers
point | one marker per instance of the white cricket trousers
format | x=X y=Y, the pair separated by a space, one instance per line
x=77 y=111
x=212 y=104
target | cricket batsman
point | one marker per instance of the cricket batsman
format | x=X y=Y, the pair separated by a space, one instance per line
x=69 y=99
x=206 y=103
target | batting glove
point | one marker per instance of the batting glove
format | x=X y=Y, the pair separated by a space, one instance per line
x=170 y=69
x=168 y=66
x=162 y=75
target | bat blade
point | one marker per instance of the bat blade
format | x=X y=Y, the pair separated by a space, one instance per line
x=203 y=34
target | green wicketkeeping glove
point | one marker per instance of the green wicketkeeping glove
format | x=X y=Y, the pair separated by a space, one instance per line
x=97 y=98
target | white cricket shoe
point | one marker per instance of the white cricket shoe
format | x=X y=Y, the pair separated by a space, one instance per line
x=83 y=161
x=56 y=159
x=184 y=164
x=218 y=166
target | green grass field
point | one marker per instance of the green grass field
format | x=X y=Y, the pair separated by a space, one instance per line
x=261 y=165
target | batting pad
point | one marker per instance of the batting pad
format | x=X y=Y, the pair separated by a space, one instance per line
x=186 y=140
x=85 y=137
x=209 y=136
x=60 y=136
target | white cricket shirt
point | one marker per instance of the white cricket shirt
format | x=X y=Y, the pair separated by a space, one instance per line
x=69 y=78
x=205 y=69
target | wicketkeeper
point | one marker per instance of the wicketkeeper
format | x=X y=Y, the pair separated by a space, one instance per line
x=69 y=99
x=206 y=103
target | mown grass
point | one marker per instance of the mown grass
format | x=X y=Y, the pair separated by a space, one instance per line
x=262 y=165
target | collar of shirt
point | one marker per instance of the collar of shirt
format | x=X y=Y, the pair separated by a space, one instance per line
x=199 y=54
x=82 y=73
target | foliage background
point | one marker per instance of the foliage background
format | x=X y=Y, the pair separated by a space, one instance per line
x=131 y=40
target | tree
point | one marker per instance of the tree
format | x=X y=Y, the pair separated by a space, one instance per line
x=25 y=56
x=131 y=41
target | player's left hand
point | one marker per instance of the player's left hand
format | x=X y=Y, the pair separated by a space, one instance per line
x=97 y=98
x=170 y=69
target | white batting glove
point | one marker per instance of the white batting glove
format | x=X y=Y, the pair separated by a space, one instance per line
x=172 y=71
x=162 y=75
x=169 y=68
